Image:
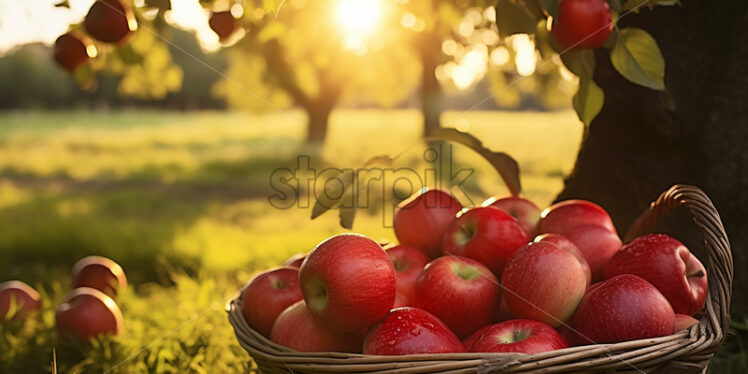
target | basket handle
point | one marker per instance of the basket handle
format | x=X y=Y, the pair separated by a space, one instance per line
x=719 y=265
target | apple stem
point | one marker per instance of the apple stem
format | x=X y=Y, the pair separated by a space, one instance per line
x=696 y=274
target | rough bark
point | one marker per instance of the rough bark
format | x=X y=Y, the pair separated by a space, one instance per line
x=428 y=46
x=645 y=141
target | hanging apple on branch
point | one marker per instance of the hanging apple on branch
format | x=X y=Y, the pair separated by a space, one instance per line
x=576 y=28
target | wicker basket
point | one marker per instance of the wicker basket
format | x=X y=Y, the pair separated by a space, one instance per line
x=687 y=351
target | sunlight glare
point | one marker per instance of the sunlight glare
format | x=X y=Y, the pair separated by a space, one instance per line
x=359 y=16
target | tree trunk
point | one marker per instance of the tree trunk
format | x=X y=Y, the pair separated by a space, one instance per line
x=318 y=116
x=432 y=105
x=697 y=132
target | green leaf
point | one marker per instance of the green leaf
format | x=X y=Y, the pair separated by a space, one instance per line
x=348 y=209
x=504 y=164
x=588 y=101
x=272 y=5
x=551 y=7
x=513 y=19
x=638 y=58
x=581 y=63
x=329 y=199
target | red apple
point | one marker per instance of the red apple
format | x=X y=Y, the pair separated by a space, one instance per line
x=297 y=329
x=582 y=24
x=598 y=245
x=348 y=282
x=99 y=273
x=23 y=298
x=110 y=21
x=566 y=244
x=619 y=309
x=485 y=234
x=524 y=211
x=72 y=50
x=468 y=342
x=461 y=292
x=684 y=321
x=295 y=261
x=519 y=335
x=408 y=263
x=544 y=282
x=268 y=294
x=421 y=220
x=223 y=24
x=562 y=216
x=406 y=331
x=667 y=264
x=87 y=313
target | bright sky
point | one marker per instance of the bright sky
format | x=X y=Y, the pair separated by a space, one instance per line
x=28 y=21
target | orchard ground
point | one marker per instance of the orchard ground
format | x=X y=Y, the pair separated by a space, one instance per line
x=180 y=200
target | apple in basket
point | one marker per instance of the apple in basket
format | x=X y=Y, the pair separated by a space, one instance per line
x=421 y=220
x=517 y=335
x=408 y=263
x=544 y=282
x=524 y=211
x=667 y=264
x=410 y=331
x=348 y=283
x=267 y=295
x=461 y=292
x=297 y=329
x=619 y=309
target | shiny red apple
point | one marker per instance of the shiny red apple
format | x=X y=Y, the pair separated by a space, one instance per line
x=406 y=331
x=544 y=282
x=487 y=235
x=619 y=309
x=72 y=50
x=461 y=292
x=524 y=211
x=267 y=295
x=564 y=215
x=582 y=24
x=18 y=298
x=666 y=263
x=408 y=263
x=295 y=260
x=87 y=313
x=421 y=220
x=110 y=21
x=518 y=335
x=598 y=245
x=684 y=321
x=99 y=273
x=566 y=244
x=348 y=282
x=297 y=329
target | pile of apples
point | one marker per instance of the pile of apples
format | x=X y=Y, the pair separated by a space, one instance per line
x=88 y=311
x=502 y=277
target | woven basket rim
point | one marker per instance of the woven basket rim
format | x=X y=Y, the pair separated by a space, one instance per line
x=688 y=349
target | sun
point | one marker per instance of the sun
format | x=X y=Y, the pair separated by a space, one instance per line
x=359 y=17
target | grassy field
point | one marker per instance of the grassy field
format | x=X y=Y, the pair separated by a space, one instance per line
x=181 y=201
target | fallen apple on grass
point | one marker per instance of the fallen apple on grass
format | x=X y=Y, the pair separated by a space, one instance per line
x=99 y=273
x=407 y=331
x=348 y=282
x=668 y=265
x=18 y=300
x=421 y=220
x=518 y=335
x=544 y=282
x=459 y=291
x=267 y=295
x=297 y=329
x=87 y=313
x=485 y=234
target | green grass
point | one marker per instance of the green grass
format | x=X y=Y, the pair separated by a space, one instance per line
x=181 y=201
